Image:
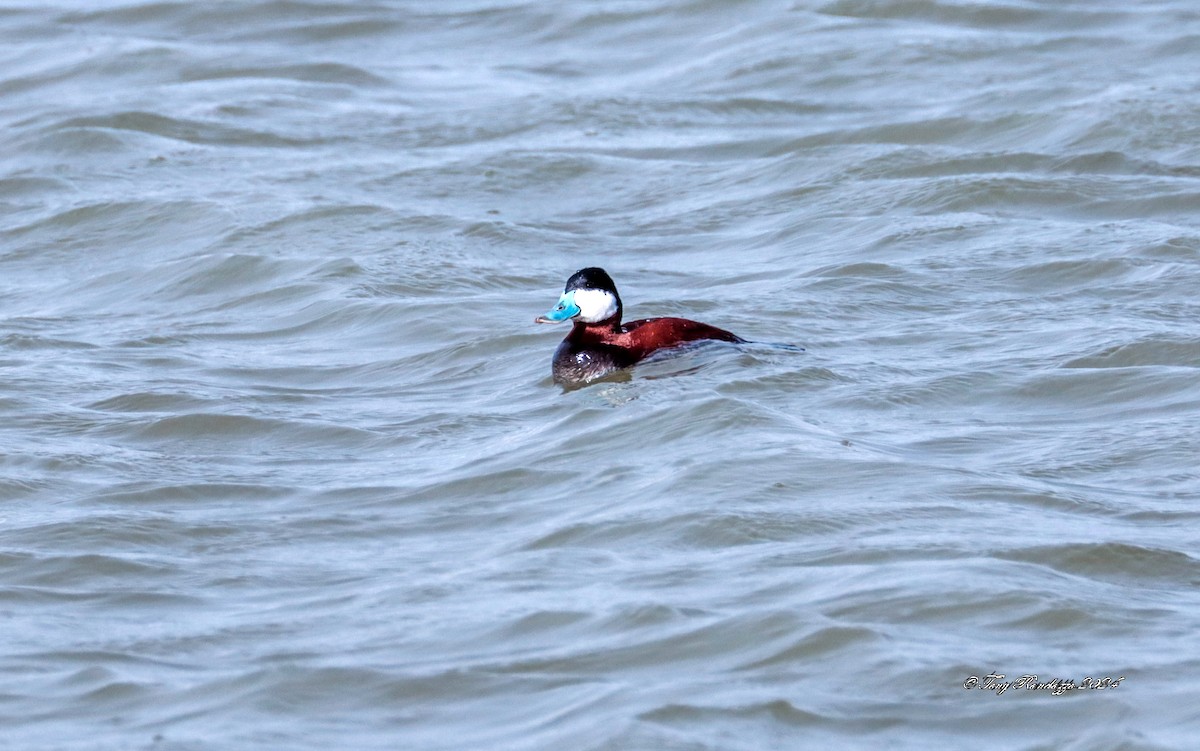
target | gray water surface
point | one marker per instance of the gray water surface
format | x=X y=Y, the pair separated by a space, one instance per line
x=282 y=465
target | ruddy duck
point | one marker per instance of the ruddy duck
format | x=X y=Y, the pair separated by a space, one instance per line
x=598 y=344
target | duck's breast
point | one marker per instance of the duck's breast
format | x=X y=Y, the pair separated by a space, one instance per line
x=574 y=363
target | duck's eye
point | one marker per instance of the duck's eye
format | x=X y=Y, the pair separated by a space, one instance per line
x=561 y=307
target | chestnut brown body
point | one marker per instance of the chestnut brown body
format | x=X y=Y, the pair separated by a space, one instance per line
x=590 y=351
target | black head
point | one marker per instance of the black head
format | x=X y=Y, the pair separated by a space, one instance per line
x=592 y=277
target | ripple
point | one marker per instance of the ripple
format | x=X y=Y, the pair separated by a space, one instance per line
x=79 y=573
x=1114 y=562
x=75 y=133
x=1146 y=353
x=1095 y=387
x=780 y=712
x=156 y=494
x=150 y=401
x=233 y=433
x=311 y=73
x=989 y=15
x=297 y=21
x=22 y=342
x=819 y=644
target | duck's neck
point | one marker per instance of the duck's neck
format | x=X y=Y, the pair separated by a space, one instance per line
x=599 y=331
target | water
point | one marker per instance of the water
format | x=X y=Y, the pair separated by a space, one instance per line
x=283 y=465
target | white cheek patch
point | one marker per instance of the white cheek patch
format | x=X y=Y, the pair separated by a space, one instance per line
x=595 y=305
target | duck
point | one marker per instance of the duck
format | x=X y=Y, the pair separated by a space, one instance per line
x=599 y=344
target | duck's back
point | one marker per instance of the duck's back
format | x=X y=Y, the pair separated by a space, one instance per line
x=651 y=334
